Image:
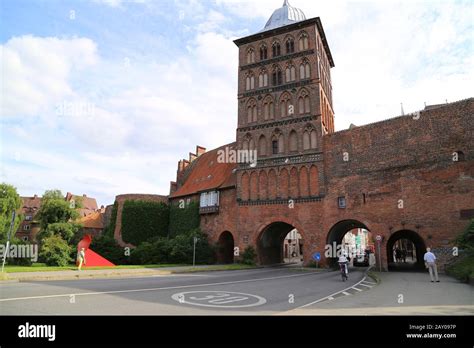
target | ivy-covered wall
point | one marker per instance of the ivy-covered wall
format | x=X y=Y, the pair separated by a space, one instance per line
x=142 y=220
x=183 y=219
x=110 y=228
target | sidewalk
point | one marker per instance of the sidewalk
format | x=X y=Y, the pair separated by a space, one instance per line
x=419 y=296
x=103 y=273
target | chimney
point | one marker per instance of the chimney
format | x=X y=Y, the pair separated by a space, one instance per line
x=35 y=196
x=84 y=195
x=185 y=164
x=173 y=187
x=192 y=157
x=200 y=150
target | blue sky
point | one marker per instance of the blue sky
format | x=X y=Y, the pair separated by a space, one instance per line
x=151 y=79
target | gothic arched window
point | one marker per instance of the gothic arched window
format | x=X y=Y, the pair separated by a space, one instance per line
x=290 y=45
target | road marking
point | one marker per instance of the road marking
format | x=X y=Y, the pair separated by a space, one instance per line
x=369 y=286
x=219 y=299
x=356 y=288
x=330 y=298
x=370 y=282
x=346 y=293
x=154 y=289
x=336 y=293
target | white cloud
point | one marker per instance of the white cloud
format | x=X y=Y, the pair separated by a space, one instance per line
x=36 y=72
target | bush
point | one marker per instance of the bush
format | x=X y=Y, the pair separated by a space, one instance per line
x=107 y=247
x=55 y=251
x=17 y=261
x=142 y=220
x=175 y=250
x=153 y=252
x=249 y=256
x=463 y=269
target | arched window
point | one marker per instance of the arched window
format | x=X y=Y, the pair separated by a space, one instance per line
x=249 y=81
x=262 y=146
x=268 y=108
x=250 y=56
x=303 y=42
x=290 y=73
x=281 y=144
x=251 y=145
x=306 y=140
x=263 y=79
x=252 y=111
x=286 y=108
x=263 y=52
x=303 y=103
x=276 y=49
x=245 y=143
x=313 y=139
x=293 y=141
x=277 y=78
x=305 y=70
x=290 y=45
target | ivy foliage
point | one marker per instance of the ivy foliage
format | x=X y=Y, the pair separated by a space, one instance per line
x=184 y=218
x=110 y=229
x=142 y=220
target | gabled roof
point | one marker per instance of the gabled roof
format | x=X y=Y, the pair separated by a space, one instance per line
x=89 y=204
x=206 y=173
x=31 y=202
x=93 y=220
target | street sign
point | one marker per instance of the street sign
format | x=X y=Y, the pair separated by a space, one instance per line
x=378 y=238
x=317 y=256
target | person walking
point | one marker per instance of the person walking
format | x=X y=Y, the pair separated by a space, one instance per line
x=430 y=263
x=81 y=258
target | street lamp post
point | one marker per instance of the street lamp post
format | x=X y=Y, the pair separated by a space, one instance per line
x=194 y=250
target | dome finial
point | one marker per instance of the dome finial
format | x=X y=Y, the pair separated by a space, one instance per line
x=285 y=3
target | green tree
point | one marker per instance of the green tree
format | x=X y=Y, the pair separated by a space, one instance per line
x=55 y=251
x=66 y=230
x=10 y=201
x=55 y=209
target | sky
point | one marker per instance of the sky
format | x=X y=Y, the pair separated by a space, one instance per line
x=103 y=97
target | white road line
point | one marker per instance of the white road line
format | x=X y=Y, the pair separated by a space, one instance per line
x=332 y=295
x=152 y=289
x=369 y=286
x=356 y=288
x=346 y=293
x=330 y=298
x=370 y=282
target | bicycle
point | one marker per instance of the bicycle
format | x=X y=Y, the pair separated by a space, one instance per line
x=343 y=268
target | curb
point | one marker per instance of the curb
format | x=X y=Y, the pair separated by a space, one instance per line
x=85 y=276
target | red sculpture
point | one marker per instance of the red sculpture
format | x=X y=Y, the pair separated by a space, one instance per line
x=92 y=258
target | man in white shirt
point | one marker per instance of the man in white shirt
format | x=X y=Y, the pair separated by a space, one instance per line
x=430 y=262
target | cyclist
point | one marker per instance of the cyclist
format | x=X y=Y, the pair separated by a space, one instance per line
x=343 y=262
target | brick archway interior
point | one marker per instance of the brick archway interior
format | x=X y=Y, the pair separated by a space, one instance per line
x=270 y=243
x=415 y=238
x=225 y=245
x=339 y=230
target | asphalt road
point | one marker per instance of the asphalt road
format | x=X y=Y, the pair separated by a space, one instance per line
x=257 y=291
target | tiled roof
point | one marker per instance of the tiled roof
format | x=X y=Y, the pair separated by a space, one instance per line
x=89 y=205
x=208 y=174
x=31 y=202
x=93 y=220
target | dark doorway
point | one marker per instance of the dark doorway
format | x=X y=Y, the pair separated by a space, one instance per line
x=405 y=250
x=225 y=248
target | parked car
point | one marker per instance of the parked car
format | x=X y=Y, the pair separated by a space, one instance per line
x=362 y=259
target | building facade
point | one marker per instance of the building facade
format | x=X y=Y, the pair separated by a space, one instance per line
x=409 y=177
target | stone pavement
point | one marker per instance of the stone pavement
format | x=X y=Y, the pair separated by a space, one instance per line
x=416 y=294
